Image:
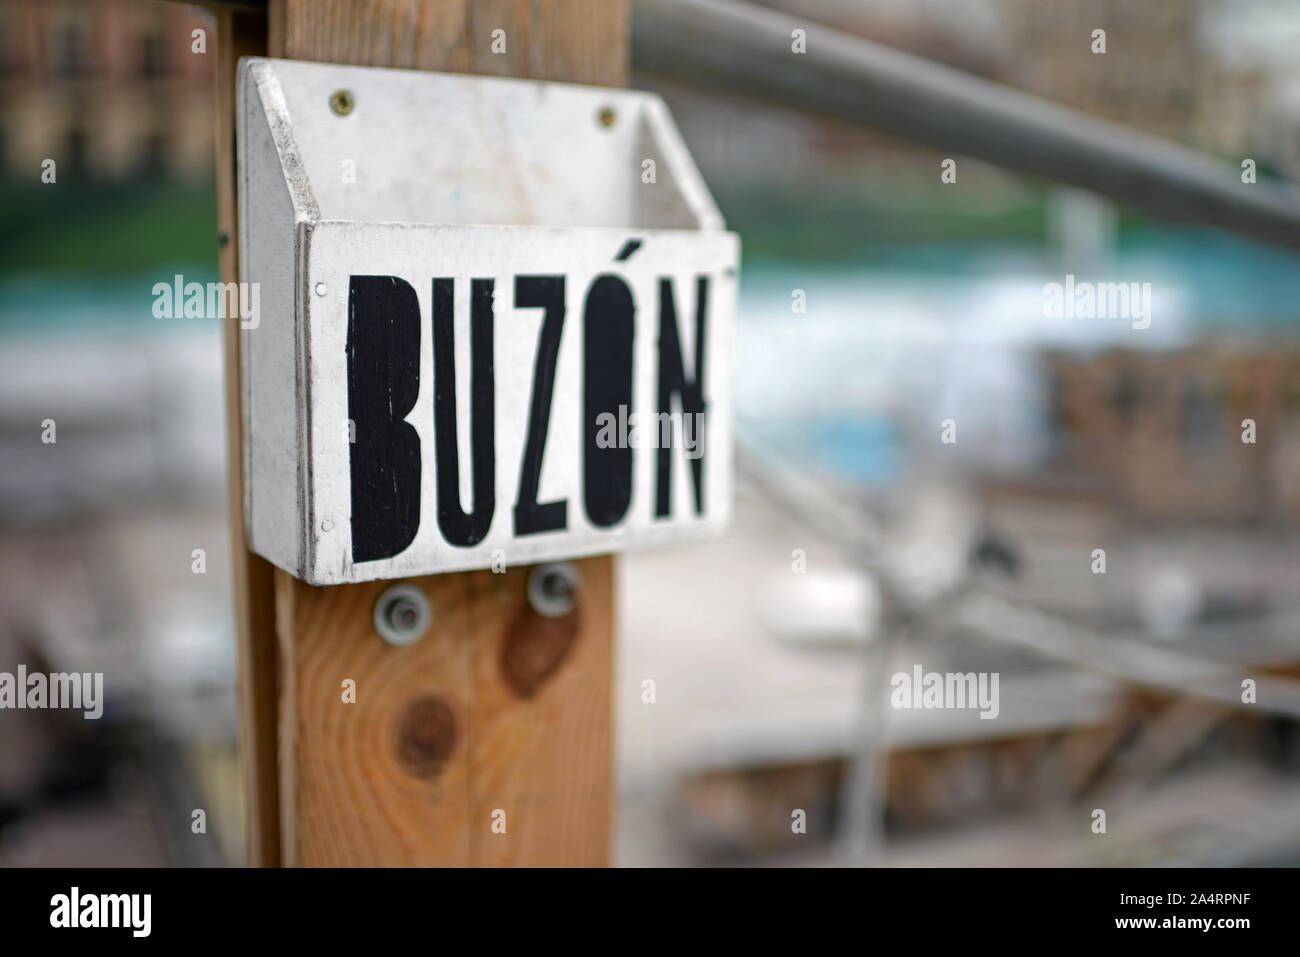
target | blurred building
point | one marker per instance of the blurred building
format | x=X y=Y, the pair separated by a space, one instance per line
x=111 y=89
x=1251 y=45
x=1147 y=77
x=1169 y=68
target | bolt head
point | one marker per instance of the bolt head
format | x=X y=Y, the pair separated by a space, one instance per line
x=402 y=615
x=552 y=589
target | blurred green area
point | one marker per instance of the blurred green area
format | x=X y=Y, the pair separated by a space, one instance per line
x=126 y=229
x=840 y=224
x=92 y=230
x=133 y=228
x=844 y=225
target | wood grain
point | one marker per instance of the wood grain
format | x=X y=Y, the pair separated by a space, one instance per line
x=542 y=722
x=372 y=782
x=494 y=708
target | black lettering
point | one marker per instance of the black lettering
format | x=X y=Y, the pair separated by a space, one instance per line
x=383 y=349
x=458 y=527
x=673 y=381
x=548 y=293
x=607 y=332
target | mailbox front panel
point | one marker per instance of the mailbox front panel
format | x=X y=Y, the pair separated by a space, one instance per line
x=487 y=396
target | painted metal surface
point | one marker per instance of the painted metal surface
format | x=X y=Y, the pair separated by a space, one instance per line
x=495 y=325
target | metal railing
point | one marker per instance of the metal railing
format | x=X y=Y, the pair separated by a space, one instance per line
x=740 y=48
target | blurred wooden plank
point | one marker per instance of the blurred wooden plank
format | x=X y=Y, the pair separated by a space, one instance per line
x=244 y=34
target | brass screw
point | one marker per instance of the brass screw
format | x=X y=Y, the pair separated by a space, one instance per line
x=342 y=102
x=606 y=116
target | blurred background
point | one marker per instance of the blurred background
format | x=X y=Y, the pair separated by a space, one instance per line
x=875 y=303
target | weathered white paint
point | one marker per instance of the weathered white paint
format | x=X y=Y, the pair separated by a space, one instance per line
x=467 y=178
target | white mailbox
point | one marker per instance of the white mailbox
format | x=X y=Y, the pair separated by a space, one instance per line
x=495 y=323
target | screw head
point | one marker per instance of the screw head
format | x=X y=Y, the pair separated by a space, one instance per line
x=606 y=116
x=342 y=102
x=402 y=615
x=553 y=588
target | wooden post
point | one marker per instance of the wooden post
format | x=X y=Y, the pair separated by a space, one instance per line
x=488 y=741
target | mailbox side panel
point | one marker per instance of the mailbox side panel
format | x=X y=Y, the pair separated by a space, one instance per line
x=273 y=404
